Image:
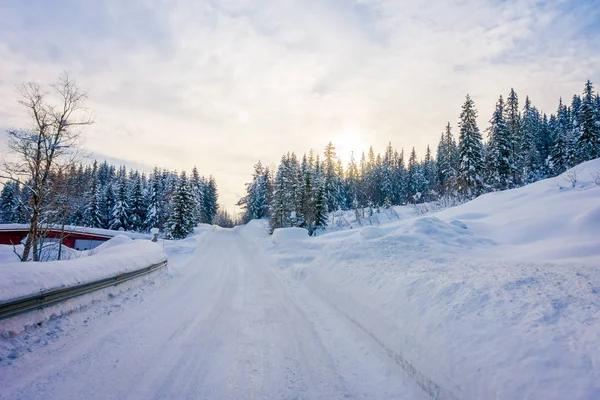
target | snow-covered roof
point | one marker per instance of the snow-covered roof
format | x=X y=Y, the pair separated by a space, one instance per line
x=79 y=229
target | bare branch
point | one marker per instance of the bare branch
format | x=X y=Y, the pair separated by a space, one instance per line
x=48 y=144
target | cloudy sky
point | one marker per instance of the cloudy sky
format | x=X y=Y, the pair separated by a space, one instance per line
x=221 y=84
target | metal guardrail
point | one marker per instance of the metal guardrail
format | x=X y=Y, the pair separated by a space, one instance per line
x=44 y=299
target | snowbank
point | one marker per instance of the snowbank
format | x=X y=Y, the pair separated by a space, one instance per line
x=116 y=256
x=549 y=220
x=498 y=298
x=256 y=228
x=283 y=235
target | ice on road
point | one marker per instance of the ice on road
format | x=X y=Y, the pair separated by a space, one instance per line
x=227 y=326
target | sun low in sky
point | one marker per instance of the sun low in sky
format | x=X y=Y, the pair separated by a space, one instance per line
x=222 y=84
x=349 y=142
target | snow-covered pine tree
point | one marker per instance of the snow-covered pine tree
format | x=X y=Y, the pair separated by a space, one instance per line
x=256 y=195
x=210 y=204
x=137 y=203
x=120 y=212
x=430 y=175
x=294 y=179
x=363 y=183
x=154 y=202
x=180 y=222
x=562 y=155
x=386 y=185
x=22 y=208
x=513 y=123
x=307 y=204
x=500 y=155
x=320 y=199
x=447 y=162
x=93 y=212
x=530 y=156
x=401 y=180
x=575 y=125
x=352 y=182
x=281 y=204
x=378 y=178
x=544 y=142
x=331 y=184
x=342 y=195
x=9 y=199
x=470 y=147
x=416 y=185
x=107 y=204
x=588 y=140
x=197 y=188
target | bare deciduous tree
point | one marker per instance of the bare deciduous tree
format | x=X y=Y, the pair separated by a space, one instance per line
x=48 y=144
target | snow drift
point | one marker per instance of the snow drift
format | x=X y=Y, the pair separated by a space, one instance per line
x=498 y=298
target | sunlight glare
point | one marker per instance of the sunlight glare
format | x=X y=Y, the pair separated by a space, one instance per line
x=348 y=142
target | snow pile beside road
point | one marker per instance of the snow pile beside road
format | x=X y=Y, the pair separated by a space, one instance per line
x=498 y=298
x=554 y=219
x=22 y=279
x=284 y=235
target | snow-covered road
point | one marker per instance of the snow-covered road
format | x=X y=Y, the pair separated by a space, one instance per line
x=227 y=326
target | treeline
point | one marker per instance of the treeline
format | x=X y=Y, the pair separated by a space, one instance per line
x=522 y=145
x=110 y=197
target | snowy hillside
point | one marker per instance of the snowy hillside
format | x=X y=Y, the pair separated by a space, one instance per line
x=497 y=298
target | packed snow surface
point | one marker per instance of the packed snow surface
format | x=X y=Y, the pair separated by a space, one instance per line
x=227 y=326
x=498 y=298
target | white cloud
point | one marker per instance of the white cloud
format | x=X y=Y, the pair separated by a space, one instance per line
x=220 y=84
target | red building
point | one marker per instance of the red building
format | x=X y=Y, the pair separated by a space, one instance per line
x=74 y=237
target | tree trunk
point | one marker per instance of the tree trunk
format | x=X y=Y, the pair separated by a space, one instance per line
x=32 y=237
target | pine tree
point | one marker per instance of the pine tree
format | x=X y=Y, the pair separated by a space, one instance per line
x=93 y=212
x=107 y=204
x=545 y=141
x=180 y=221
x=320 y=201
x=352 y=182
x=154 y=203
x=416 y=184
x=307 y=204
x=530 y=156
x=294 y=181
x=387 y=174
x=447 y=161
x=562 y=155
x=9 y=199
x=363 y=183
x=22 y=211
x=210 y=204
x=588 y=140
x=255 y=201
x=197 y=188
x=400 y=180
x=513 y=123
x=331 y=184
x=470 y=157
x=281 y=204
x=430 y=176
x=137 y=204
x=500 y=152
x=120 y=212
